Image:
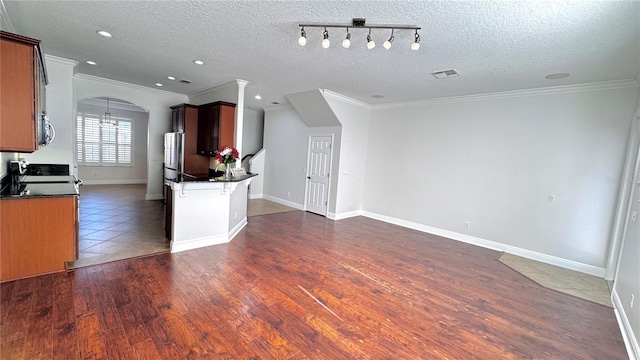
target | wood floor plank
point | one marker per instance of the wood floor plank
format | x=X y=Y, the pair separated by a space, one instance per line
x=64 y=317
x=299 y=286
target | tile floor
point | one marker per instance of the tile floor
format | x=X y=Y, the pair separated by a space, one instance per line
x=263 y=207
x=571 y=282
x=116 y=222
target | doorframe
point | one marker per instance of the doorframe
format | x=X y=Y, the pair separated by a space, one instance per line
x=306 y=172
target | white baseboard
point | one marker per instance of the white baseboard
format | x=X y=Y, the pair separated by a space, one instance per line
x=115 y=182
x=154 y=197
x=177 y=246
x=343 y=215
x=533 y=255
x=236 y=229
x=283 y=202
x=255 y=196
x=630 y=341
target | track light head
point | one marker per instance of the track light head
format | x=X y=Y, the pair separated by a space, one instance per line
x=387 y=44
x=347 y=41
x=302 y=40
x=325 y=42
x=416 y=42
x=370 y=43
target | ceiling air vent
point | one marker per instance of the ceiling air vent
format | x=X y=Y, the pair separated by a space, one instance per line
x=444 y=73
x=185 y=81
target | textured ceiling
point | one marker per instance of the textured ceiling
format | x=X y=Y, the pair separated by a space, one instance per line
x=494 y=45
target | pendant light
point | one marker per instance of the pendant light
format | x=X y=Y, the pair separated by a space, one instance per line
x=106 y=120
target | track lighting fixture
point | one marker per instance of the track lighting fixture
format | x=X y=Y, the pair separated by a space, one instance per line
x=325 y=42
x=359 y=23
x=387 y=44
x=370 y=43
x=302 y=40
x=416 y=42
x=347 y=41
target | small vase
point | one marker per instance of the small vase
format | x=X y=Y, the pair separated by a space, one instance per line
x=227 y=171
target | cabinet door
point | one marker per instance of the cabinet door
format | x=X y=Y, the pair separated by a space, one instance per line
x=177 y=119
x=208 y=122
x=227 y=125
x=193 y=162
x=18 y=65
x=37 y=236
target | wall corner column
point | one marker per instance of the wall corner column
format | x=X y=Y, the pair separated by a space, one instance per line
x=240 y=118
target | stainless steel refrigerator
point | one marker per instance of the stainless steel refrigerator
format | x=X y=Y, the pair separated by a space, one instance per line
x=173 y=156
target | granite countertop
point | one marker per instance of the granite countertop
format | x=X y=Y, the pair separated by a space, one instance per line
x=32 y=179
x=205 y=177
x=35 y=190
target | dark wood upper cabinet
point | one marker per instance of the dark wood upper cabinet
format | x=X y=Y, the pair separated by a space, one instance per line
x=216 y=126
x=20 y=66
x=184 y=119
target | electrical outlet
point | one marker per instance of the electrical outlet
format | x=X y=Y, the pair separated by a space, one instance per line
x=631 y=302
x=288 y=193
x=467 y=224
x=634 y=216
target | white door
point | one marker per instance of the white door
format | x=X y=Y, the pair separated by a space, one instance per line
x=318 y=166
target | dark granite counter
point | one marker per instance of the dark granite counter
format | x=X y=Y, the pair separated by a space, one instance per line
x=205 y=177
x=34 y=190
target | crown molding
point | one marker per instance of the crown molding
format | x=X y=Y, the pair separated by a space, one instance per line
x=128 y=85
x=599 y=86
x=60 y=60
x=334 y=95
x=219 y=87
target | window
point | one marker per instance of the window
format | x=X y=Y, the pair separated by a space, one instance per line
x=106 y=145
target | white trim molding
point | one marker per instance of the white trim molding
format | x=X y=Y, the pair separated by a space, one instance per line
x=283 y=202
x=127 y=85
x=548 y=259
x=178 y=246
x=255 y=196
x=345 y=99
x=630 y=342
x=343 y=215
x=605 y=85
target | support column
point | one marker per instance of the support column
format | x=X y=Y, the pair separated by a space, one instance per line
x=240 y=118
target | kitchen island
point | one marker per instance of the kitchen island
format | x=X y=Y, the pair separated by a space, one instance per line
x=204 y=211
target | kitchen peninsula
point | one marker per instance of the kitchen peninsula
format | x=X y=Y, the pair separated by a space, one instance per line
x=203 y=211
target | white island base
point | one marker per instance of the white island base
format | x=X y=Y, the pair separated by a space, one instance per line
x=207 y=213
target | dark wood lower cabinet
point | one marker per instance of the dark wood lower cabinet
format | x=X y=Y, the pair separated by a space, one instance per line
x=37 y=236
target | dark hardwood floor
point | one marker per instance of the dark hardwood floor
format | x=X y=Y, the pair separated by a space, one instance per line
x=295 y=286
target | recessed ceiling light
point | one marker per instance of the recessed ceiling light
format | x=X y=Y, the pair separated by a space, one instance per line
x=258 y=97
x=158 y=84
x=171 y=78
x=91 y=62
x=104 y=33
x=377 y=96
x=198 y=62
x=556 y=76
